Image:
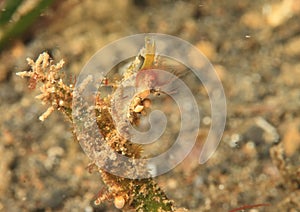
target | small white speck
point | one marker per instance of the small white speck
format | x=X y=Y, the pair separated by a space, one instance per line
x=221 y=186
x=250 y=145
x=88 y=209
x=152 y=169
x=61 y=103
x=206 y=120
x=234 y=140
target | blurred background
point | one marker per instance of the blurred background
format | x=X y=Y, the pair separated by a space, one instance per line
x=255 y=49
